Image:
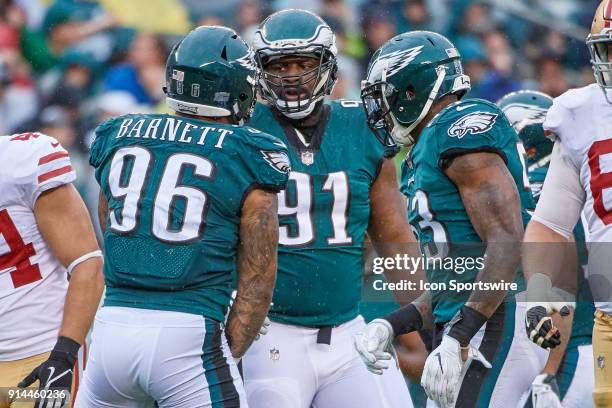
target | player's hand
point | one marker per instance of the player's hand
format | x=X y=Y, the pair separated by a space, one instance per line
x=539 y=326
x=544 y=393
x=375 y=345
x=544 y=300
x=55 y=373
x=445 y=367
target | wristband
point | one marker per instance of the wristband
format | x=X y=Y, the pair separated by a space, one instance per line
x=65 y=349
x=465 y=324
x=405 y=320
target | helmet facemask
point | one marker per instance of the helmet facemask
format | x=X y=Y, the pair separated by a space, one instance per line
x=381 y=99
x=275 y=88
x=377 y=110
x=600 y=47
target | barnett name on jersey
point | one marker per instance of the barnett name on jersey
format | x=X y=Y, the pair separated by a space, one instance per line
x=580 y=119
x=33 y=283
x=435 y=209
x=323 y=215
x=175 y=188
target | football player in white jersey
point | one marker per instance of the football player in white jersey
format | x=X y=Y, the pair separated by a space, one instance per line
x=578 y=182
x=46 y=238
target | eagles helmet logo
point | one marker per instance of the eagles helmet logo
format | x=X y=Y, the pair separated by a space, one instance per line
x=526 y=112
x=474 y=123
x=248 y=60
x=394 y=61
x=278 y=160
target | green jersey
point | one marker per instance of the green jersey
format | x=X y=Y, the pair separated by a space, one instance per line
x=175 y=188
x=435 y=209
x=582 y=325
x=323 y=215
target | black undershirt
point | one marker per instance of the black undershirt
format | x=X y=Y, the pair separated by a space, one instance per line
x=313 y=134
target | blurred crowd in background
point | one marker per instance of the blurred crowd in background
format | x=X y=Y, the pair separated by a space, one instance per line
x=66 y=65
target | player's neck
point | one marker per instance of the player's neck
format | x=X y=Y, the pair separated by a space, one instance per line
x=435 y=109
x=218 y=119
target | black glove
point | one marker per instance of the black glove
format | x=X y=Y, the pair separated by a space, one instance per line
x=540 y=329
x=55 y=374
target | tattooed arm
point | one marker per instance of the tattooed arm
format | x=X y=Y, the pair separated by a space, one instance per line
x=256 y=267
x=491 y=199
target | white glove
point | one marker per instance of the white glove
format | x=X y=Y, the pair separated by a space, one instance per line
x=544 y=393
x=375 y=345
x=444 y=369
x=264 y=328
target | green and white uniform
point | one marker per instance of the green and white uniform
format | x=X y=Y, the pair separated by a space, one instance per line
x=307 y=358
x=438 y=216
x=323 y=216
x=175 y=188
x=436 y=210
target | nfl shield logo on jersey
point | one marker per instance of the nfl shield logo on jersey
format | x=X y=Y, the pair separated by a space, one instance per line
x=307 y=157
x=274 y=354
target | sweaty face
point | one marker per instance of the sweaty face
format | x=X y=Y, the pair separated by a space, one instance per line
x=292 y=78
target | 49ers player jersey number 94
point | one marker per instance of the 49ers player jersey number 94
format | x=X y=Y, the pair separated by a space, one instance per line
x=32 y=282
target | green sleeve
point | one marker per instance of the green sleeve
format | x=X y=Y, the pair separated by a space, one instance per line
x=97 y=152
x=478 y=127
x=266 y=159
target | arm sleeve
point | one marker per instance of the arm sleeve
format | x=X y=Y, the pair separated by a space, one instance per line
x=562 y=196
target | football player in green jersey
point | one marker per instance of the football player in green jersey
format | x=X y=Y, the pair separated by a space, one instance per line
x=186 y=200
x=526 y=111
x=340 y=186
x=468 y=193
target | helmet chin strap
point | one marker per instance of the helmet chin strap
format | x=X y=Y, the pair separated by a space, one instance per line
x=400 y=133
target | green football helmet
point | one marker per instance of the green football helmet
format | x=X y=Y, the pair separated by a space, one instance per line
x=212 y=72
x=297 y=33
x=406 y=76
x=526 y=111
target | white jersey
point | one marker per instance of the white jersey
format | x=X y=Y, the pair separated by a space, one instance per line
x=582 y=120
x=33 y=283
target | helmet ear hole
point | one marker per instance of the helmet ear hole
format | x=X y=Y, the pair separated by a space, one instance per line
x=243 y=97
x=410 y=93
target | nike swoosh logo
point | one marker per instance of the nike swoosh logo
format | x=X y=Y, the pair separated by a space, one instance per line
x=440 y=362
x=55 y=144
x=460 y=108
x=51 y=380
